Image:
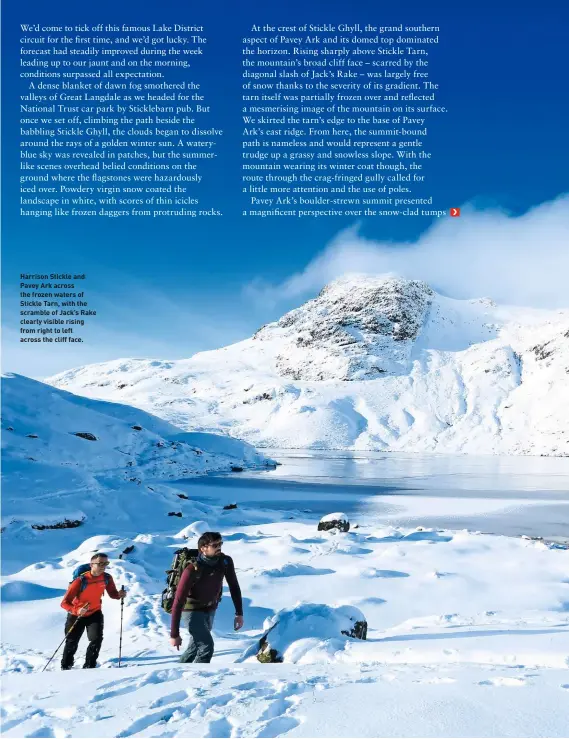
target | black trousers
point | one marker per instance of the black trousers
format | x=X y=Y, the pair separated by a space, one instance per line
x=94 y=626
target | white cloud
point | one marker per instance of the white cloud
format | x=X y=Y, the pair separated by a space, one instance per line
x=521 y=260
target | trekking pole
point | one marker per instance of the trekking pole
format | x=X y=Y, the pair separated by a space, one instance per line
x=64 y=638
x=120 y=639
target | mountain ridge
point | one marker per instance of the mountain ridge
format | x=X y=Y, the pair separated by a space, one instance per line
x=374 y=363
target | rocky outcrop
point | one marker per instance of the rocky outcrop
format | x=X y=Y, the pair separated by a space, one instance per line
x=353 y=330
x=65 y=524
x=334 y=522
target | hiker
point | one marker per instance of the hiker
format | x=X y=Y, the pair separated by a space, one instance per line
x=198 y=595
x=83 y=601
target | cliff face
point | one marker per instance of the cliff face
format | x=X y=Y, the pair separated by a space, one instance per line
x=354 y=330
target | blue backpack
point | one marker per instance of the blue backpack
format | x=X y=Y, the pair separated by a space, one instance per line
x=80 y=571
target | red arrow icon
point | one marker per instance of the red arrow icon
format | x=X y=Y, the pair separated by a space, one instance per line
x=455 y=212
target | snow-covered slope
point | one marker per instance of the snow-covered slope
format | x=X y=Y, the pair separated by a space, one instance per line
x=468 y=635
x=375 y=363
x=52 y=476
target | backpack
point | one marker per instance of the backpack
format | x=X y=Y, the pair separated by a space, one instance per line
x=80 y=571
x=182 y=558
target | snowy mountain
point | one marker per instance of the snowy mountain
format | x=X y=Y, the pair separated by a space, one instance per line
x=372 y=363
x=64 y=456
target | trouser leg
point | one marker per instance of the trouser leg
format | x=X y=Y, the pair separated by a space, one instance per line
x=200 y=648
x=95 y=635
x=74 y=632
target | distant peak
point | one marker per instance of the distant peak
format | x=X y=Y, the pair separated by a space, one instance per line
x=353 y=321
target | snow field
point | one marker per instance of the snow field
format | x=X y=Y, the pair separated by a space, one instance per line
x=468 y=636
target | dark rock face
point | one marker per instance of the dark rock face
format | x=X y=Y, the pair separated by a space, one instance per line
x=266 y=654
x=358 y=632
x=32 y=436
x=358 y=328
x=176 y=513
x=137 y=428
x=128 y=550
x=86 y=435
x=541 y=351
x=230 y=507
x=236 y=468
x=181 y=495
x=65 y=524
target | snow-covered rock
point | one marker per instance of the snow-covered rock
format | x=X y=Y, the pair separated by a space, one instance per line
x=334 y=521
x=294 y=632
x=372 y=363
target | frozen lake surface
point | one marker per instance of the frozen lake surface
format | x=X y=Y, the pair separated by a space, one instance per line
x=499 y=495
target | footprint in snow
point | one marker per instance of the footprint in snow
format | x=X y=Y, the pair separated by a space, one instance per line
x=6 y=725
x=276 y=708
x=255 y=689
x=177 y=697
x=278 y=726
x=164 y=716
x=44 y=731
x=353 y=550
x=144 y=722
x=292 y=570
x=130 y=684
x=215 y=701
x=219 y=728
x=64 y=713
x=373 y=572
x=373 y=601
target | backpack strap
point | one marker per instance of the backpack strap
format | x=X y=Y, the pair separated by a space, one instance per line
x=196 y=572
x=84 y=581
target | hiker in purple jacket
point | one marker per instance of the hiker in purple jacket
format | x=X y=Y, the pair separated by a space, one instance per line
x=199 y=593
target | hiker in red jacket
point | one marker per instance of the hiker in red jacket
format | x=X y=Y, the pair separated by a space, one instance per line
x=199 y=593
x=83 y=600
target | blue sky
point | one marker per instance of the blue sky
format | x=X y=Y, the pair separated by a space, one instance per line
x=170 y=287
